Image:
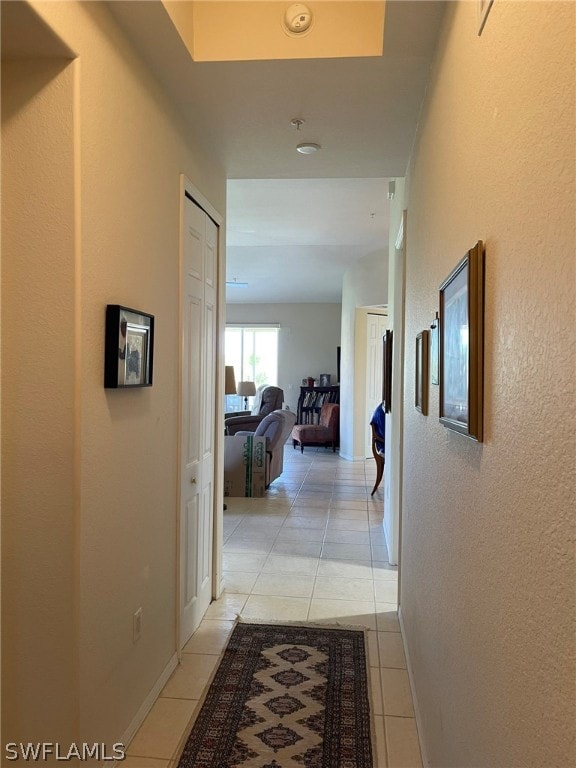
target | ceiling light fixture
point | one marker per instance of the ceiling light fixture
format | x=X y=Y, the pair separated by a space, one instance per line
x=308 y=148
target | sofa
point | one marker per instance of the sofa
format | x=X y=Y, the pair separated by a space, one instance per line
x=266 y=400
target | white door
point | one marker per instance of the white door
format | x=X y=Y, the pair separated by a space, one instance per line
x=375 y=328
x=199 y=260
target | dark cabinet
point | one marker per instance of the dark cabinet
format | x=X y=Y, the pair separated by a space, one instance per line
x=311 y=401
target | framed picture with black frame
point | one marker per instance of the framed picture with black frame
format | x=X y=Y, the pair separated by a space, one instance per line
x=129 y=348
x=387 y=371
x=462 y=346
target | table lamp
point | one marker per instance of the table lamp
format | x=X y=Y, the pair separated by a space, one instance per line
x=229 y=380
x=246 y=389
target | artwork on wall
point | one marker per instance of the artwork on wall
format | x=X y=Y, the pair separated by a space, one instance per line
x=434 y=350
x=462 y=345
x=387 y=371
x=421 y=373
x=484 y=7
x=129 y=347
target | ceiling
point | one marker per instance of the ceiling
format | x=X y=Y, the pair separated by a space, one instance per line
x=296 y=222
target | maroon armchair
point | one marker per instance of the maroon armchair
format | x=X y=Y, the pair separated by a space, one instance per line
x=326 y=432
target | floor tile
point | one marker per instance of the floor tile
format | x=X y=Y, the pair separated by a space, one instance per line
x=191 y=676
x=346 y=569
x=339 y=524
x=227 y=606
x=238 y=581
x=383 y=571
x=235 y=561
x=381 y=759
x=291 y=564
x=328 y=587
x=391 y=650
x=386 y=591
x=375 y=690
x=347 y=612
x=160 y=734
x=252 y=545
x=300 y=548
x=396 y=692
x=387 y=617
x=304 y=535
x=211 y=637
x=347 y=537
x=345 y=552
x=402 y=743
x=276 y=608
x=294 y=522
x=283 y=584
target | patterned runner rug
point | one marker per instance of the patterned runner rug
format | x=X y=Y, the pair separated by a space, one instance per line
x=285 y=697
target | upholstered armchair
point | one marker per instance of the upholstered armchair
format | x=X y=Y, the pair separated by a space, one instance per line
x=266 y=400
x=326 y=432
x=276 y=428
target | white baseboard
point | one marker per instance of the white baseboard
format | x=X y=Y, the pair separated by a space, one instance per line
x=417 y=714
x=147 y=705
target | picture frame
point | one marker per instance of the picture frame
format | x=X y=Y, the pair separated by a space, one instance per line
x=461 y=335
x=387 y=371
x=434 y=350
x=421 y=373
x=129 y=348
x=325 y=380
x=483 y=9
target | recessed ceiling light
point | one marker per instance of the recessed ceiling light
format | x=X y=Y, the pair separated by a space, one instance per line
x=307 y=148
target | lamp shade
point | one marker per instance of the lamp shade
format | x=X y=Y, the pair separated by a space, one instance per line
x=229 y=380
x=246 y=388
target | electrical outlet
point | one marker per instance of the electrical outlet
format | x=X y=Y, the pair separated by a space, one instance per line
x=137 y=625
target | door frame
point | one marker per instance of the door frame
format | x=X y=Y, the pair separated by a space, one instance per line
x=186 y=186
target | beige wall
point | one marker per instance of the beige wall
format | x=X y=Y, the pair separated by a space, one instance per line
x=308 y=338
x=110 y=483
x=40 y=457
x=487 y=565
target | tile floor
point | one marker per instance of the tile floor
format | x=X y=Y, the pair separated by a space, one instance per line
x=312 y=550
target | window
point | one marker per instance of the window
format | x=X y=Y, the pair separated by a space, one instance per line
x=253 y=351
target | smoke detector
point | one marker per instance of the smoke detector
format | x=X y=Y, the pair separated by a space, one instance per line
x=297 y=19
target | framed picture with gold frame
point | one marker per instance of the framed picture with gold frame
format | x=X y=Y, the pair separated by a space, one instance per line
x=462 y=346
x=421 y=373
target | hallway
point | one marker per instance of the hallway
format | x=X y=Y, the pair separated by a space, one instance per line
x=312 y=550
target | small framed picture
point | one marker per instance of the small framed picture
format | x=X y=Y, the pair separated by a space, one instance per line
x=462 y=346
x=421 y=373
x=325 y=379
x=387 y=371
x=129 y=347
x=434 y=350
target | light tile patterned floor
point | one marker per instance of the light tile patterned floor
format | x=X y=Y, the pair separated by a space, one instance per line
x=312 y=550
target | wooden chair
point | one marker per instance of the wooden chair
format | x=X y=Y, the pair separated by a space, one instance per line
x=378 y=454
